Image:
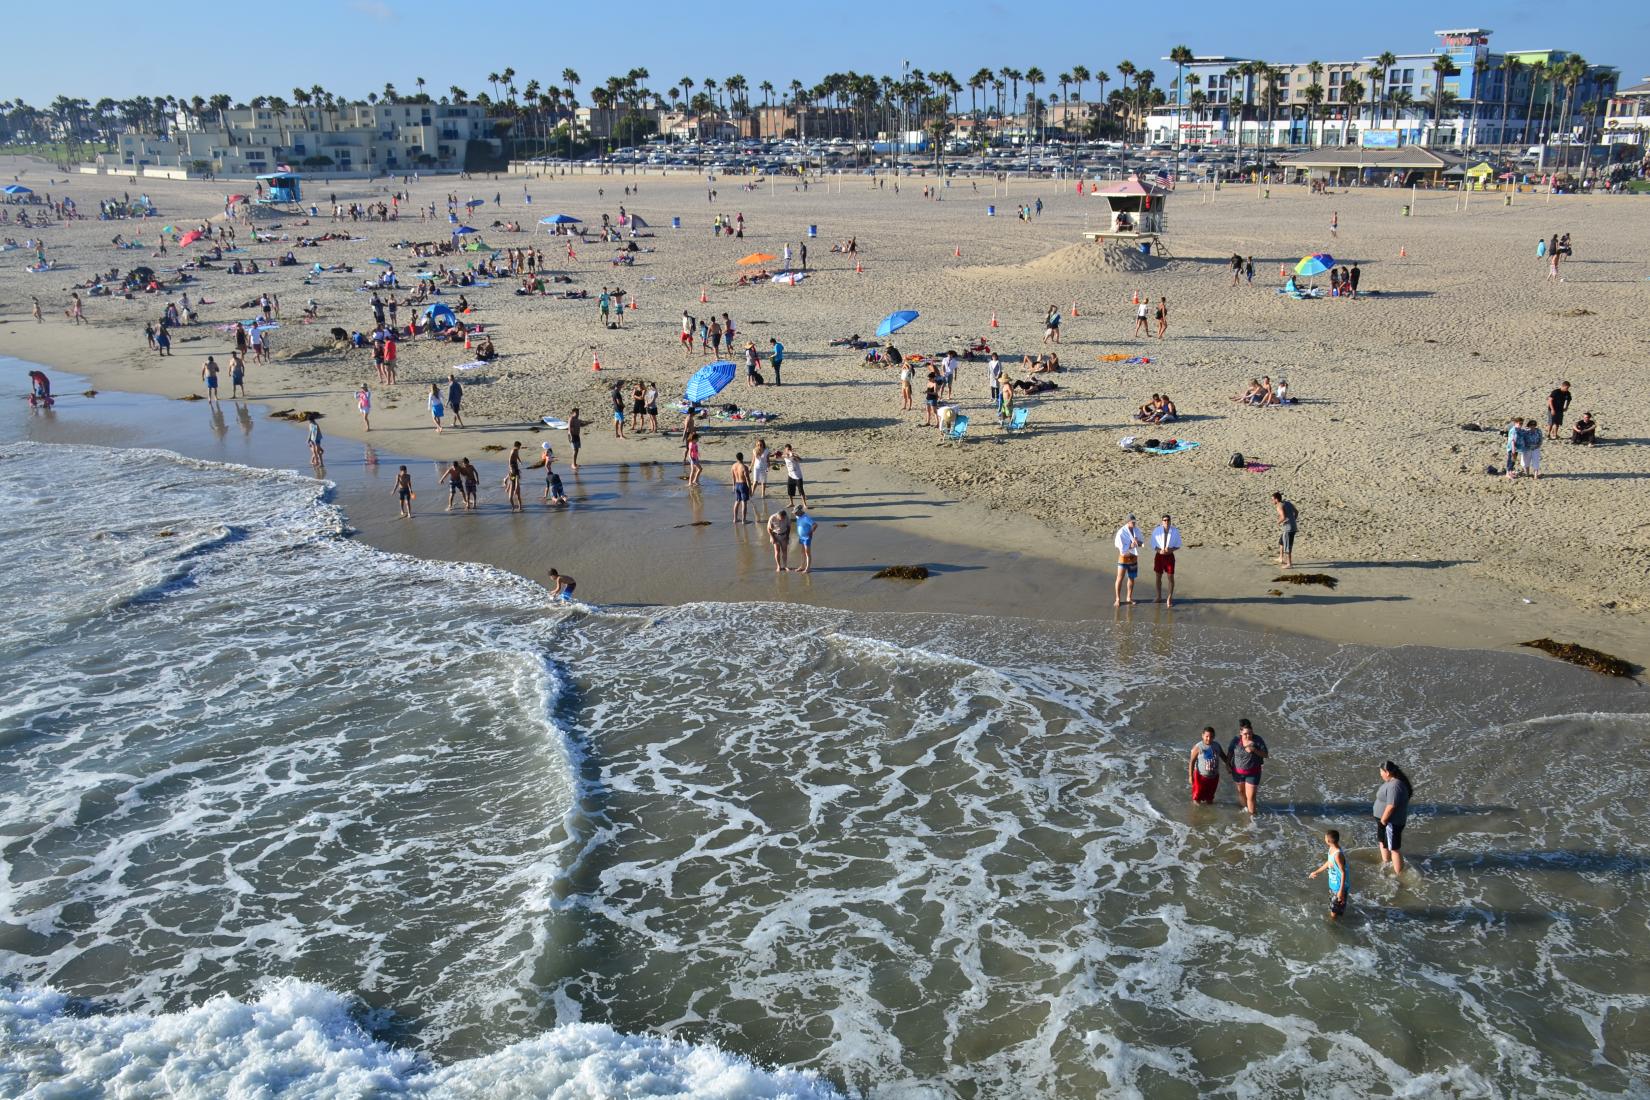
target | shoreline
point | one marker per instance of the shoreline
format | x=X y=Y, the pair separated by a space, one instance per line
x=658 y=557
x=1395 y=503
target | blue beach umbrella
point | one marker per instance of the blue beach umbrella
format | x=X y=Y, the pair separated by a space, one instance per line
x=473 y=203
x=709 y=380
x=896 y=321
x=18 y=189
x=559 y=219
x=463 y=229
x=379 y=261
x=1315 y=264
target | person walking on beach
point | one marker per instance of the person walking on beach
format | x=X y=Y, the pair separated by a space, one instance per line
x=34 y=311
x=779 y=533
x=1334 y=866
x=1203 y=767
x=1165 y=541
x=687 y=333
x=1334 y=223
x=1128 y=541
x=931 y=400
x=715 y=335
x=740 y=475
x=455 y=398
x=604 y=304
x=905 y=387
x=472 y=481
x=163 y=339
x=696 y=468
x=76 y=312
x=437 y=409
x=1246 y=756
x=1391 y=811
x=1288 y=524
x=794 y=486
x=1557 y=402
x=776 y=352
x=237 y=375
x=403 y=492
x=1051 y=326
x=1162 y=317
x=512 y=479
x=759 y=467
x=1142 y=323
x=1249 y=271
x=209 y=374
x=363 y=404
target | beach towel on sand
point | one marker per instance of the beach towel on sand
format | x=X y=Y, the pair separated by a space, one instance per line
x=1180 y=445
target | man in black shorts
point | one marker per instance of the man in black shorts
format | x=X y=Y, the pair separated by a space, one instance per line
x=1557 y=402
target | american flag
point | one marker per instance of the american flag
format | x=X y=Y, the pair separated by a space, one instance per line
x=1163 y=178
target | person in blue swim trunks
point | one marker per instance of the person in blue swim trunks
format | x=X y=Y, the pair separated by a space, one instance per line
x=563 y=586
x=1334 y=866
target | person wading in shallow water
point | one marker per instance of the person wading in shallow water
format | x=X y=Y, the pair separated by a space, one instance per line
x=1203 y=768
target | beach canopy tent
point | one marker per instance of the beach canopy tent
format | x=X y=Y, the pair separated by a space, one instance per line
x=281 y=186
x=441 y=316
x=709 y=380
x=1480 y=175
x=1407 y=164
x=18 y=189
x=639 y=222
x=1134 y=208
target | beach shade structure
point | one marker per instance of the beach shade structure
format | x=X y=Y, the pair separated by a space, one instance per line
x=709 y=380
x=189 y=238
x=639 y=222
x=380 y=261
x=18 y=189
x=441 y=315
x=235 y=198
x=1315 y=264
x=425 y=275
x=896 y=321
x=756 y=258
x=790 y=277
x=559 y=219
x=463 y=229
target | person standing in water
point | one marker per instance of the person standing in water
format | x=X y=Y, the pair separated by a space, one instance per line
x=563 y=586
x=512 y=479
x=1246 y=756
x=740 y=475
x=317 y=454
x=453 y=475
x=1340 y=884
x=759 y=468
x=575 y=425
x=805 y=537
x=403 y=492
x=1203 y=768
x=209 y=373
x=1391 y=811
x=779 y=533
x=363 y=403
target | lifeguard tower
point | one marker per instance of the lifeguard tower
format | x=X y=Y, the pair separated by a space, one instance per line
x=281 y=187
x=1134 y=213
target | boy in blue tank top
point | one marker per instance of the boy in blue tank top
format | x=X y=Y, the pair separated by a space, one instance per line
x=1335 y=867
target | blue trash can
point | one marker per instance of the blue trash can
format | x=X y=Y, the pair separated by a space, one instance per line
x=991 y=211
x=676 y=223
x=1145 y=248
x=813 y=231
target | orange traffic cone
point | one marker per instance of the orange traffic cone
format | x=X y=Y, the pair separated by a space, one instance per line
x=993 y=318
x=597 y=364
x=466 y=339
x=704 y=295
x=956 y=252
x=1283 y=272
x=633 y=304
x=859 y=268
x=1136 y=298
x=1074 y=312
x=1401 y=252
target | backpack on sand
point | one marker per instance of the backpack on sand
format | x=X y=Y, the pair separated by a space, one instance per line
x=1236 y=462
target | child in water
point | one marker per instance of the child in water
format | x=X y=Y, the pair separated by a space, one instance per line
x=1335 y=866
x=564 y=585
x=403 y=490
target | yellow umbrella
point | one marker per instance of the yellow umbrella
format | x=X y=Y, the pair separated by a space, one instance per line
x=758 y=258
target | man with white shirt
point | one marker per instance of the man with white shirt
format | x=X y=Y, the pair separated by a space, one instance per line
x=1128 y=542
x=1165 y=541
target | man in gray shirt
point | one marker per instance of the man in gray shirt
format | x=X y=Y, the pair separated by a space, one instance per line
x=1247 y=754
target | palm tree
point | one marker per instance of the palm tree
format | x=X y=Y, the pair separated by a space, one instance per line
x=1509 y=72
x=1315 y=69
x=1102 y=78
x=505 y=78
x=1570 y=73
x=1125 y=76
x=1442 y=66
x=1384 y=62
x=419 y=81
x=1079 y=75
x=1034 y=77
x=1352 y=94
x=1401 y=101
x=492 y=78
x=1480 y=67
x=1181 y=56
x=459 y=94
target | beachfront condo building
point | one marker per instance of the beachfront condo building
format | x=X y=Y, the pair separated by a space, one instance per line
x=1627 y=118
x=356 y=139
x=1458 y=93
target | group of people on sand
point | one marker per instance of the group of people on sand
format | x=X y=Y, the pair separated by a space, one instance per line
x=1524 y=435
x=750 y=478
x=1261 y=392
x=1556 y=250
x=1244 y=759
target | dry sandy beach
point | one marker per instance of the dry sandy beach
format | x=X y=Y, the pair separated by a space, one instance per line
x=1464 y=327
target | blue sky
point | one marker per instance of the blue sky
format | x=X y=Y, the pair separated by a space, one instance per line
x=354 y=46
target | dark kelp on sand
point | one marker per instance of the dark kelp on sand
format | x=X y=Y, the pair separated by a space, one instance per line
x=1601 y=663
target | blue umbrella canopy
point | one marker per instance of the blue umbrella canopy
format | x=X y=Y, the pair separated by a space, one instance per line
x=461 y=230
x=476 y=202
x=896 y=321
x=558 y=219
x=380 y=261
x=18 y=189
x=709 y=380
x=1315 y=264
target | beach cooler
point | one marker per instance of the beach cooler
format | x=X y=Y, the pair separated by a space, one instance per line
x=991 y=211
x=1145 y=248
x=676 y=223
x=813 y=231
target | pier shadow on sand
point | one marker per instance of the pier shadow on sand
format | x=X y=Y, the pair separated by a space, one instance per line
x=1574 y=860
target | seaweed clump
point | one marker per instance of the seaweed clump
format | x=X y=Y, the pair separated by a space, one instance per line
x=902 y=573
x=1601 y=663
x=1307 y=578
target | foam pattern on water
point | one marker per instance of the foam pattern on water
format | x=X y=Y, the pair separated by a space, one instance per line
x=918 y=855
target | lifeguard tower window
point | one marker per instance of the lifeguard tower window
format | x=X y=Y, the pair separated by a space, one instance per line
x=1134 y=210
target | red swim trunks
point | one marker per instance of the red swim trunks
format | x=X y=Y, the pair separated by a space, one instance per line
x=1163 y=562
x=1203 y=787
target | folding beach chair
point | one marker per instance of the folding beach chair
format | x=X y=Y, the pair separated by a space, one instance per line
x=1018 y=422
x=958 y=428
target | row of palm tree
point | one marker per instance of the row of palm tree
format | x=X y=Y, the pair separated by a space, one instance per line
x=540 y=114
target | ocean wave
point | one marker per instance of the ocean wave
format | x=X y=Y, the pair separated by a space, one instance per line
x=300 y=1040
